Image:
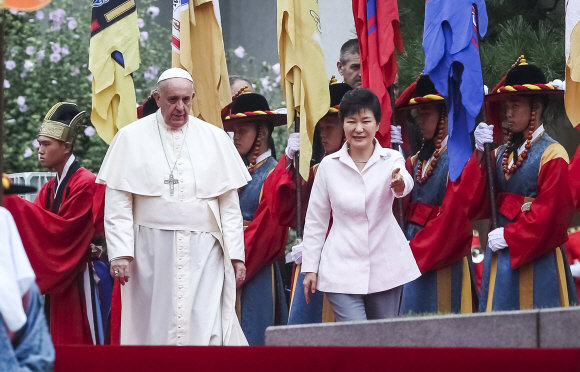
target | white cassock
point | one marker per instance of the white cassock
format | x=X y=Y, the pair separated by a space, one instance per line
x=182 y=288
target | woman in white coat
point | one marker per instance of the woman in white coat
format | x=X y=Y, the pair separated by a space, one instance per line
x=365 y=259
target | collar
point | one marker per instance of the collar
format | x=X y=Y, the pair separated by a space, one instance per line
x=264 y=156
x=343 y=156
x=443 y=146
x=64 y=172
x=162 y=123
x=537 y=133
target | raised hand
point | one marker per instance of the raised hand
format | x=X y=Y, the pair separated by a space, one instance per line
x=397 y=182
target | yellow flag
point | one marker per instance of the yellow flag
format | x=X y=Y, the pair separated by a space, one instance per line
x=198 y=48
x=303 y=70
x=572 y=95
x=113 y=57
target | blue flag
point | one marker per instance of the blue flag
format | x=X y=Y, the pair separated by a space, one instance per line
x=450 y=41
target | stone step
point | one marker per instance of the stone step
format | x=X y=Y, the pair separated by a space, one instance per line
x=549 y=328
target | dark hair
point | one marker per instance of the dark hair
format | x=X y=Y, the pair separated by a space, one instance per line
x=357 y=100
x=350 y=47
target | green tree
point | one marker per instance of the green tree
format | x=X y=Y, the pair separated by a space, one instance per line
x=531 y=28
x=47 y=55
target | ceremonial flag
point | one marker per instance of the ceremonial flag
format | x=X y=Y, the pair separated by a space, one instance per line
x=198 y=48
x=113 y=57
x=450 y=40
x=24 y=5
x=572 y=94
x=303 y=70
x=377 y=28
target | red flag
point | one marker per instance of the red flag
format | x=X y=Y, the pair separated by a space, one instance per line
x=377 y=28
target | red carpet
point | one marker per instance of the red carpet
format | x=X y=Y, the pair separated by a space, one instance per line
x=300 y=359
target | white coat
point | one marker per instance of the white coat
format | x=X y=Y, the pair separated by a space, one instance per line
x=366 y=250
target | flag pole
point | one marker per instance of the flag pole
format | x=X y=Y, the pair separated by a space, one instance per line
x=2 y=22
x=491 y=189
x=395 y=146
x=487 y=155
x=298 y=183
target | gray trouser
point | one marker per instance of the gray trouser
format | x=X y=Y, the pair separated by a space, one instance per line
x=380 y=305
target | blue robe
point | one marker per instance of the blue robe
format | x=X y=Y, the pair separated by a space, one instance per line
x=544 y=281
x=442 y=290
x=262 y=299
x=31 y=347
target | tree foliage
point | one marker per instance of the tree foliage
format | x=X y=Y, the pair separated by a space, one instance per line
x=47 y=56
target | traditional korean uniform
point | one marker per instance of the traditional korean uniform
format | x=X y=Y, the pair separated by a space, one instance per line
x=261 y=299
x=439 y=234
x=57 y=230
x=535 y=207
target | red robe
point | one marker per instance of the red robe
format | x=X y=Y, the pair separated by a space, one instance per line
x=57 y=246
x=572 y=249
x=537 y=232
x=264 y=238
x=448 y=226
x=574 y=178
x=282 y=194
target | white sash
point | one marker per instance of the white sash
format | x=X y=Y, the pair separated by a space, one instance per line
x=156 y=213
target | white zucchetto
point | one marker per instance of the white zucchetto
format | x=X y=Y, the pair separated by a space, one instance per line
x=174 y=72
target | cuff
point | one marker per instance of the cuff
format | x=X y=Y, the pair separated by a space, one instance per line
x=238 y=256
x=308 y=268
x=118 y=258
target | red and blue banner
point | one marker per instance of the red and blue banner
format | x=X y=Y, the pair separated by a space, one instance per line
x=451 y=43
x=377 y=28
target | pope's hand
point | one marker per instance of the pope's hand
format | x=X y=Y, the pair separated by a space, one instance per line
x=483 y=134
x=240 y=271
x=120 y=270
x=397 y=182
x=293 y=145
x=310 y=282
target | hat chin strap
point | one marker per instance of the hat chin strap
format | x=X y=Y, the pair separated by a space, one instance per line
x=256 y=149
x=510 y=146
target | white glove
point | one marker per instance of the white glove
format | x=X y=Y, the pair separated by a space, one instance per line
x=496 y=241
x=293 y=145
x=297 y=253
x=483 y=134
x=575 y=269
x=396 y=136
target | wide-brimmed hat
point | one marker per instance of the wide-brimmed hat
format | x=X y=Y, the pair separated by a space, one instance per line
x=337 y=91
x=148 y=107
x=524 y=78
x=249 y=107
x=420 y=93
x=11 y=189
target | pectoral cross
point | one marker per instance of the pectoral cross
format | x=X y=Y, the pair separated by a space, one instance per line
x=171 y=182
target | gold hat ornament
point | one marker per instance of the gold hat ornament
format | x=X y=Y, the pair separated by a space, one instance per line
x=62 y=122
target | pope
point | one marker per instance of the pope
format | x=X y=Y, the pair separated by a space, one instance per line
x=173 y=223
